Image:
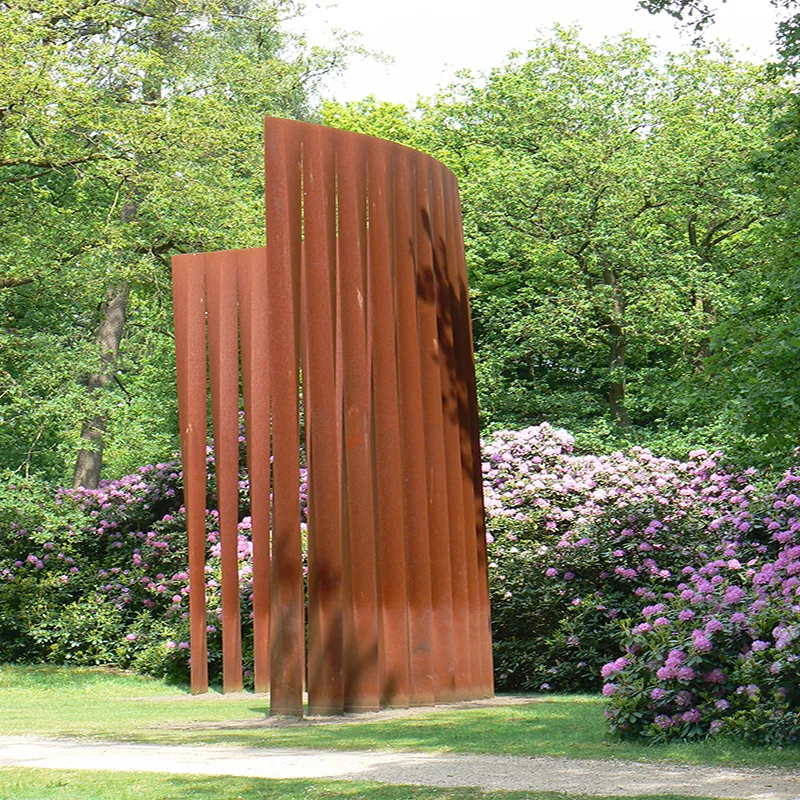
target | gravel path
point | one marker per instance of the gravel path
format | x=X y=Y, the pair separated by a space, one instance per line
x=429 y=769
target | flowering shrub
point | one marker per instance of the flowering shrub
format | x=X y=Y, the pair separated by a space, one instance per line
x=104 y=579
x=673 y=585
x=722 y=655
x=580 y=543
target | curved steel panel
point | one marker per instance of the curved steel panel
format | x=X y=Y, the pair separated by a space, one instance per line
x=355 y=316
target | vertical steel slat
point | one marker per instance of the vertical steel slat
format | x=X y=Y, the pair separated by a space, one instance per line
x=472 y=464
x=361 y=642
x=323 y=440
x=438 y=512
x=223 y=356
x=471 y=601
x=461 y=333
x=253 y=305
x=348 y=620
x=448 y=370
x=398 y=583
x=283 y=218
x=412 y=436
x=188 y=289
x=387 y=449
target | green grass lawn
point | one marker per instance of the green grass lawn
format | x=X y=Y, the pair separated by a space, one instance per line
x=35 y=784
x=59 y=701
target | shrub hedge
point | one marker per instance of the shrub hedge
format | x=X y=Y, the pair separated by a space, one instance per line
x=673 y=585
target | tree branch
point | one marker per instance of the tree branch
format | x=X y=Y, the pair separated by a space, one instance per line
x=11 y=283
x=27 y=162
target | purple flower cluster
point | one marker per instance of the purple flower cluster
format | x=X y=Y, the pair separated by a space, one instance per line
x=687 y=564
x=121 y=559
x=733 y=642
x=695 y=564
x=595 y=540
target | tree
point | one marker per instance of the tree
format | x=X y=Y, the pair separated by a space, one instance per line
x=753 y=373
x=700 y=14
x=608 y=206
x=128 y=132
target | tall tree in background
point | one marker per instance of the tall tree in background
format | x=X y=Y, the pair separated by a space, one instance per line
x=754 y=369
x=699 y=15
x=128 y=131
x=608 y=208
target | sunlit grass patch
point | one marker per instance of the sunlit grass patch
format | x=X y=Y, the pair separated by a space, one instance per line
x=34 y=784
x=98 y=703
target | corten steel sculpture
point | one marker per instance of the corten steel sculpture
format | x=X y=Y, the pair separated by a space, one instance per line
x=359 y=302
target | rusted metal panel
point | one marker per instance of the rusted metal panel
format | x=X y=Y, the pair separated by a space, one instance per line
x=253 y=305
x=471 y=460
x=463 y=652
x=391 y=546
x=223 y=359
x=438 y=505
x=362 y=688
x=359 y=297
x=471 y=602
x=323 y=413
x=188 y=288
x=283 y=217
x=412 y=437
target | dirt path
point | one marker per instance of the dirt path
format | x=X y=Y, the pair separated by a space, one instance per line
x=429 y=769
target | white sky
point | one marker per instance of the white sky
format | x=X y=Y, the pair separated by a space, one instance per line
x=431 y=39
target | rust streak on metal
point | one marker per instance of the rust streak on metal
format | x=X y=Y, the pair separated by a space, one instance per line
x=436 y=465
x=253 y=304
x=188 y=286
x=412 y=437
x=287 y=623
x=476 y=534
x=450 y=382
x=462 y=468
x=223 y=357
x=323 y=433
x=386 y=432
x=360 y=299
x=362 y=692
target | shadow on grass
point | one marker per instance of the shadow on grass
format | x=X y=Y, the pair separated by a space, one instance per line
x=117 y=705
x=35 y=784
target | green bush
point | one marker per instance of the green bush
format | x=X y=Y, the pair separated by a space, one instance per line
x=580 y=543
x=722 y=655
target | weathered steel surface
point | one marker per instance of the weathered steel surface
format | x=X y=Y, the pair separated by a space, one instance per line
x=435 y=462
x=362 y=688
x=390 y=516
x=287 y=639
x=358 y=306
x=412 y=438
x=223 y=360
x=471 y=461
x=323 y=412
x=254 y=333
x=188 y=287
x=448 y=366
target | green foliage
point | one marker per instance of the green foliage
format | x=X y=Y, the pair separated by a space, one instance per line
x=713 y=664
x=624 y=220
x=753 y=369
x=700 y=15
x=128 y=132
x=610 y=210
x=604 y=233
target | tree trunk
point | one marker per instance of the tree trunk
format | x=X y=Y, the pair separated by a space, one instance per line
x=90 y=459
x=619 y=343
x=616 y=389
